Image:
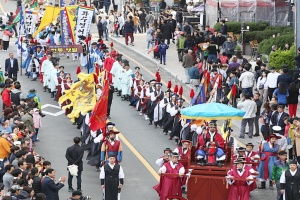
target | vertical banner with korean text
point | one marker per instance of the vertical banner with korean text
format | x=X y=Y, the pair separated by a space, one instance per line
x=66 y=38
x=30 y=20
x=83 y=23
x=71 y=14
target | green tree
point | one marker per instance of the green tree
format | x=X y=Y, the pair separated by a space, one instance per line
x=280 y=57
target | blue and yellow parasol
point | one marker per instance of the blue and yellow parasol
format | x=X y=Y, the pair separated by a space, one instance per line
x=211 y=111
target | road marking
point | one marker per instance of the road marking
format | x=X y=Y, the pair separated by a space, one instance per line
x=2 y=9
x=53 y=106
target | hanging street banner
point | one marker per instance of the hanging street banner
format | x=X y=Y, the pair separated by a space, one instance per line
x=83 y=23
x=30 y=20
x=73 y=48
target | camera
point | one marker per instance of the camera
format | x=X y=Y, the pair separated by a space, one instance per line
x=85 y=198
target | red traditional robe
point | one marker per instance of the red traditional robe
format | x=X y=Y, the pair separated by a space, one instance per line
x=107 y=65
x=169 y=185
x=184 y=155
x=239 y=190
x=108 y=148
x=67 y=102
x=251 y=157
x=60 y=81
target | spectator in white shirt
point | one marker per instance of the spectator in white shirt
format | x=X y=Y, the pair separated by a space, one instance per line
x=247 y=78
x=272 y=82
x=262 y=87
x=246 y=104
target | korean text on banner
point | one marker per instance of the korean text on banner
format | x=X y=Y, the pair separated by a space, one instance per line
x=66 y=37
x=83 y=23
x=71 y=14
x=30 y=20
x=50 y=14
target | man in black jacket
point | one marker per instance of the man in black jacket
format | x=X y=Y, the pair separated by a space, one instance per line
x=11 y=66
x=285 y=77
x=128 y=30
x=74 y=156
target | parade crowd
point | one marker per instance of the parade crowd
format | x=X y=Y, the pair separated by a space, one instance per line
x=268 y=97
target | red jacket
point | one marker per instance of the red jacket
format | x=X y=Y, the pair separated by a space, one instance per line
x=6 y=97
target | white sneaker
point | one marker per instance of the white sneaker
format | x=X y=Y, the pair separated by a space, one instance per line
x=140 y=114
x=147 y=49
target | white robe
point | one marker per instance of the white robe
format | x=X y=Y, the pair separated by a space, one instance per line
x=53 y=80
x=158 y=112
x=46 y=68
x=115 y=71
x=125 y=81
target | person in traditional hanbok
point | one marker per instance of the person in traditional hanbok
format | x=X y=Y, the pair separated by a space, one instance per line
x=212 y=149
x=95 y=57
x=53 y=82
x=66 y=86
x=125 y=81
x=240 y=179
x=170 y=185
x=165 y=158
x=115 y=71
x=108 y=63
x=47 y=66
x=268 y=155
x=289 y=182
x=154 y=110
x=177 y=122
x=61 y=81
x=112 y=179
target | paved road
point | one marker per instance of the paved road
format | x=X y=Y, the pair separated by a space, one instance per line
x=142 y=144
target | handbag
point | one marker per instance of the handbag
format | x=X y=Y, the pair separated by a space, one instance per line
x=261 y=86
x=73 y=169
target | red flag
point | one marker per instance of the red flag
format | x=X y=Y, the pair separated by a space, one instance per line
x=99 y=114
x=233 y=90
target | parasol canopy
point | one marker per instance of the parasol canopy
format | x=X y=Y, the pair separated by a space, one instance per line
x=212 y=111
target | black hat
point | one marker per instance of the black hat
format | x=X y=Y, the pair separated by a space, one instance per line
x=180 y=99
x=249 y=144
x=111 y=155
x=213 y=124
x=241 y=149
x=239 y=161
x=32 y=91
x=76 y=192
x=293 y=162
x=156 y=84
x=61 y=67
x=110 y=124
x=153 y=80
x=175 y=154
x=137 y=67
x=167 y=149
x=94 y=43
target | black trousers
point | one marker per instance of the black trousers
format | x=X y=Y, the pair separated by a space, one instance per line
x=270 y=93
x=5 y=45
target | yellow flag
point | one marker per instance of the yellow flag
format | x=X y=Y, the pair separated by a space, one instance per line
x=229 y=95
x=50 y=14
x=71 y=15
x=82 y=95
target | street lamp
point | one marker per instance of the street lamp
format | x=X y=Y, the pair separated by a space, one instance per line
x=243 y=30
